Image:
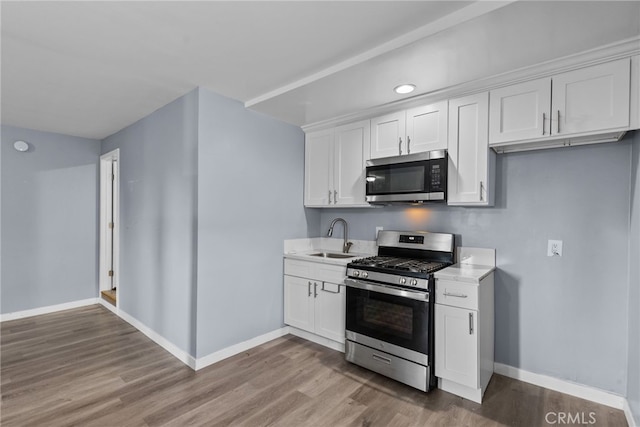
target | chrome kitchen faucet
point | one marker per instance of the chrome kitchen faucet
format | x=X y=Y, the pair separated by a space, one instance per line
x=346 y=245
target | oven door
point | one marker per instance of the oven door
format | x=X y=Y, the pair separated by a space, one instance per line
x=390 y=315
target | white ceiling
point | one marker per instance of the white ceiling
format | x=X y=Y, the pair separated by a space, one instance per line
x=92 y=68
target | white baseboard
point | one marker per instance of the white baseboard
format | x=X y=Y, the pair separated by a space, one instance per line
x=48 y=309
x=563 y=386
x=629 y=415
x=178 y=353
x=239 y=348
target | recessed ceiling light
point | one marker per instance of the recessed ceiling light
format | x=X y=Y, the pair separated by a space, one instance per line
x=402 y=89
x=21 y=146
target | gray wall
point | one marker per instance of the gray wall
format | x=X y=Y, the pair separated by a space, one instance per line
x=564 y=317
x=633 y=375
x=249 y=200
x=158 y=208
x=49 y=245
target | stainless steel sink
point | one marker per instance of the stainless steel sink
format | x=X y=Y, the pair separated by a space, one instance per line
x=332 y=255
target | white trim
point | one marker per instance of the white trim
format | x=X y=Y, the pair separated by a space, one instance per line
x=467 y=13
x=106 y=160
x=618 y=50
x=317 y=339
x=46 y=310
x=219 y=355
x=178 y=353
x=563 y=386
x=628 y=414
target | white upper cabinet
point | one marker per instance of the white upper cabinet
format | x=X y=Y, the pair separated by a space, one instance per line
x=520 y=111
x=427 y=128
x=412 y=131
x=388 y=135
x=592 y=99
x=580 y=103
x=335 y=165
x=318 y=164
x=471 y=166
x=351 y=142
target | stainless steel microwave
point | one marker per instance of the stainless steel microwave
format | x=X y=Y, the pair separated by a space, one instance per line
x=412 y=178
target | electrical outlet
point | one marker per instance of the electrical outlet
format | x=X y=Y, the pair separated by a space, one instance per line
x=378 y=229
x=554 y=248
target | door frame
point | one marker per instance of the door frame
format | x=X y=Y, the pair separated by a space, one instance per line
x=109 y=162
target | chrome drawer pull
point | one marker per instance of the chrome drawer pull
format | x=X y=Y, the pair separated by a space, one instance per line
x=327 y=290
x=381 y=359
x=447 y=294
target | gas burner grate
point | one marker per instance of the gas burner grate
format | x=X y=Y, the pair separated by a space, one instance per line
x=400 y=264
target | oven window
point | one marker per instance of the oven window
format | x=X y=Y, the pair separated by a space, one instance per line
x=397 y=319
x=393 y=319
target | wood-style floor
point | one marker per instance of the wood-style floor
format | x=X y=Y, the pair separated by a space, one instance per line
x=87 y=367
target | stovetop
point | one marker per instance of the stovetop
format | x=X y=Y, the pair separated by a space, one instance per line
x=398 y=265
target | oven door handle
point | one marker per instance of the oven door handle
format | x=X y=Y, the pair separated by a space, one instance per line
x=405 y=293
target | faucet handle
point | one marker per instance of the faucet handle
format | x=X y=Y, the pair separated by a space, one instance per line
x=346 y=247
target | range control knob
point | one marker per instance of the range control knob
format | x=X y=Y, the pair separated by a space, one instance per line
x=364 y=274
x=403 y=280
x=356 y=273
x=414 y=282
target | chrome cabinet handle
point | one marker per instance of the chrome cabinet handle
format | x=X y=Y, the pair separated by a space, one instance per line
x=544 y=118
x=381 y=359
x=447 y=294
x=327 y=290
x=400 y=146
x=481 y=188
x=558 y=121
x=309 y=288
x=408 y=145
x=315 y=290
x=329 y=196
x=335 y=197
x=470 y=323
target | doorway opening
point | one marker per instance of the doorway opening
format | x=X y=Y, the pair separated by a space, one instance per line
x=109 y=227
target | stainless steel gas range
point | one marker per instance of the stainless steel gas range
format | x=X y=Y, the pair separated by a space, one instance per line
x=390 y=306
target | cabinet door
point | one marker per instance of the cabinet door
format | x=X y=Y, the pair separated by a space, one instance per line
x=427 y=128
x=592 y=99
x=469 y=150
x=388 y=135
x=520 y=112
x=456 y=344
x=298 y=303
x=350 y=143
x=330 y=306
x=318 y=168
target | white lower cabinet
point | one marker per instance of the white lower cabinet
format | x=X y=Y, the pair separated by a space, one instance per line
x=316 y=302
x=464 y=336
x=457 y=345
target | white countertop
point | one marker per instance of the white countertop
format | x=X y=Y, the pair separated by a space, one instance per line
x=469 y=273
x=303 y=248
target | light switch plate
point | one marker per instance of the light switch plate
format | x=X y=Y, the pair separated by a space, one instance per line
x=554 y=248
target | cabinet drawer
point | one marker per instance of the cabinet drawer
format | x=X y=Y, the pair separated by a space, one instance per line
x=331 y=273
x=293 y=267
x=457 y=294
x=315 y=270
